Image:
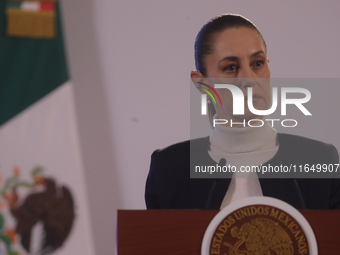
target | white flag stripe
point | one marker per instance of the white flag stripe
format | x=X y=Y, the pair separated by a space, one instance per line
x=45 y=135
x=30 y=6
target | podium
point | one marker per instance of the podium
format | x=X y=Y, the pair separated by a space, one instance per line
x=181 y=231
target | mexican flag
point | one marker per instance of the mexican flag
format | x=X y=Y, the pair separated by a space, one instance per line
x=43 y=202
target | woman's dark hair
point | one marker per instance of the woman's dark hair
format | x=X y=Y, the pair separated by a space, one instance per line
x=205 y=37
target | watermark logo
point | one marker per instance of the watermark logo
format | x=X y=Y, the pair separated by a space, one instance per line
x=204 y=97
x=239 y=102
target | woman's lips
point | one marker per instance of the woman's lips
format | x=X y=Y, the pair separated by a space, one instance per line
x=255 y=97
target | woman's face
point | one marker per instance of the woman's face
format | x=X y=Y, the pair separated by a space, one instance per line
x=240 y=54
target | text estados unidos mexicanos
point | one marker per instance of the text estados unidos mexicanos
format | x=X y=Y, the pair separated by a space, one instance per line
x=263 y=169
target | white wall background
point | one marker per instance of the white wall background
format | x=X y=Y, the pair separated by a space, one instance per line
x=130 y=61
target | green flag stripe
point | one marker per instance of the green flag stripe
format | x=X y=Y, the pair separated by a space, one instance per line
x=29 y=69
x=14 y=5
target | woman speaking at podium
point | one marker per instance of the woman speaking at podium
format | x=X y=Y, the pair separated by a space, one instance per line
x=231 y=47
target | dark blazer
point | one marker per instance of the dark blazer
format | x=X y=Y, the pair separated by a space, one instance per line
x=169 y=185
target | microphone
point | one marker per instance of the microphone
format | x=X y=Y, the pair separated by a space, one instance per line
x=221 y=163
x=297 y=187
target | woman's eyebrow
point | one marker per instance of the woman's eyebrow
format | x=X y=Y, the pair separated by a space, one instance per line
x=257 y=53
x=230 y=58
x=234 y=58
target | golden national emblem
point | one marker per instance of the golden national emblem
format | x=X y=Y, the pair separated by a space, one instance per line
x=259 y=229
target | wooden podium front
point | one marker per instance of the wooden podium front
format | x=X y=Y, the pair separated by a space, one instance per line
x=174 y=232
